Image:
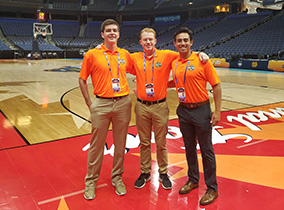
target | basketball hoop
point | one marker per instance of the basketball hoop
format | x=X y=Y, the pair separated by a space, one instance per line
x=42 y=29
x=43 y=33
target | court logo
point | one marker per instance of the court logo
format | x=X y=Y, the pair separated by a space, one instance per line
x=66 y=69
x=240 y=63
x=250 y=118
x=254 y=64
x=216 y=62
x=254 y=121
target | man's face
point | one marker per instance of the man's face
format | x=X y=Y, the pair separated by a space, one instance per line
x=148 y=41
x=183 y=43
x=110 y=34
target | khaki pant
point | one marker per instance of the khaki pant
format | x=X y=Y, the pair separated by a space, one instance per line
x=156 y=116
x=103 y=112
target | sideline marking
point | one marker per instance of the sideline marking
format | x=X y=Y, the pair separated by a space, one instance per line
x=66 y=195
x=251 y=143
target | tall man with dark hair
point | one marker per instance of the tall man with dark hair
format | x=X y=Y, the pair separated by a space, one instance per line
x=107 y=67
x=194 y=113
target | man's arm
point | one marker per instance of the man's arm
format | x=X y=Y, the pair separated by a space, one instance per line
x=85 y=91
x=202 y=56
x=217 y=94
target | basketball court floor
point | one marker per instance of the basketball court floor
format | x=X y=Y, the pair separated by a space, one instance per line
x=45 y=131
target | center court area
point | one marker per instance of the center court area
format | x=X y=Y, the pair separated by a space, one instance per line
x=45 y=131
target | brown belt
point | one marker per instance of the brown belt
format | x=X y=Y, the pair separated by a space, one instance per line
x=112 y=98
x=194 y=105
x=151 y=102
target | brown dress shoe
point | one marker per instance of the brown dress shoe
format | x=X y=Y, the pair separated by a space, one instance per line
x=209 y=197
x=188 y=187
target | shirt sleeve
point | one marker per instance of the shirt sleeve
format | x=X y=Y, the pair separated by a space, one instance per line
x=172 y=55
x=130 y=67
x=211 y=74
x=85 y=68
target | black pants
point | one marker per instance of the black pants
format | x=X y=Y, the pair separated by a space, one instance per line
x=195 y=125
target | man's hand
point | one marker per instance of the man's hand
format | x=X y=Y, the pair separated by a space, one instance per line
x=203 y=57
x=215 y=118
x=135 y=91
x=98 y=47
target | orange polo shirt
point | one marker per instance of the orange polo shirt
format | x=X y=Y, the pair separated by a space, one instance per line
x=95 y=65
x=160 y=73
x=197 y=76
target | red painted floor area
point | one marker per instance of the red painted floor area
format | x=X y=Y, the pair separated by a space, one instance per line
x=9 y=137
x=249 y=172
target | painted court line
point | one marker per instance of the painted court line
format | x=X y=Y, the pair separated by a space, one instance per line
x=251 y=143
x=66 y=195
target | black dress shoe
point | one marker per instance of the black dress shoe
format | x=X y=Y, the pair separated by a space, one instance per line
x=188 y=187
x=209 y=197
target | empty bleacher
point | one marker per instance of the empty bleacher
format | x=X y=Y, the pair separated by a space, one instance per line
x=140 y=5
x=20 y=33
x=262 y=41
x=259 y=35
x=102 y=5
x=3 y=46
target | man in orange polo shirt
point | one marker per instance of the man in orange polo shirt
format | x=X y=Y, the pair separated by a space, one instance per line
x=152 y=69
x=107 y=67
x=194 y=112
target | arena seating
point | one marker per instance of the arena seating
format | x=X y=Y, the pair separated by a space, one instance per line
x=263 y=41
x=102 y=5
x=259 y=35
x=140 y=5
x=65 y=28
x=66 y=6
x=3 y=46
x=20 y=33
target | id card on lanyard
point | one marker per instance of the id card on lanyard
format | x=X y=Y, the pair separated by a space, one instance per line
x=115 y=85
x=114 y=81
x=181 y=90
x=181 y=94
x=150 y=91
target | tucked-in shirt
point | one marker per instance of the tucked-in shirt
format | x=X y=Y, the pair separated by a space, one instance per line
x=160 y=73
x=197 y=76
x=95 y=65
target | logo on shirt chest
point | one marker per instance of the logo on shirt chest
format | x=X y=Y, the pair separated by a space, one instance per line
x=191 y=68
x=158 y=65
x=121 y=61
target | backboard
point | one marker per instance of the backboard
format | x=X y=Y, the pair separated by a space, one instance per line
x=42 y=29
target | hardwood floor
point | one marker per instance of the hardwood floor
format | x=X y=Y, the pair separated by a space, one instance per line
x=44 y=135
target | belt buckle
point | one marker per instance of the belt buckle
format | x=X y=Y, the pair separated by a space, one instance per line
x=191 y=106
x=148 y=103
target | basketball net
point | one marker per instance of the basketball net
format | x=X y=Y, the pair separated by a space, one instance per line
x=43 y=33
